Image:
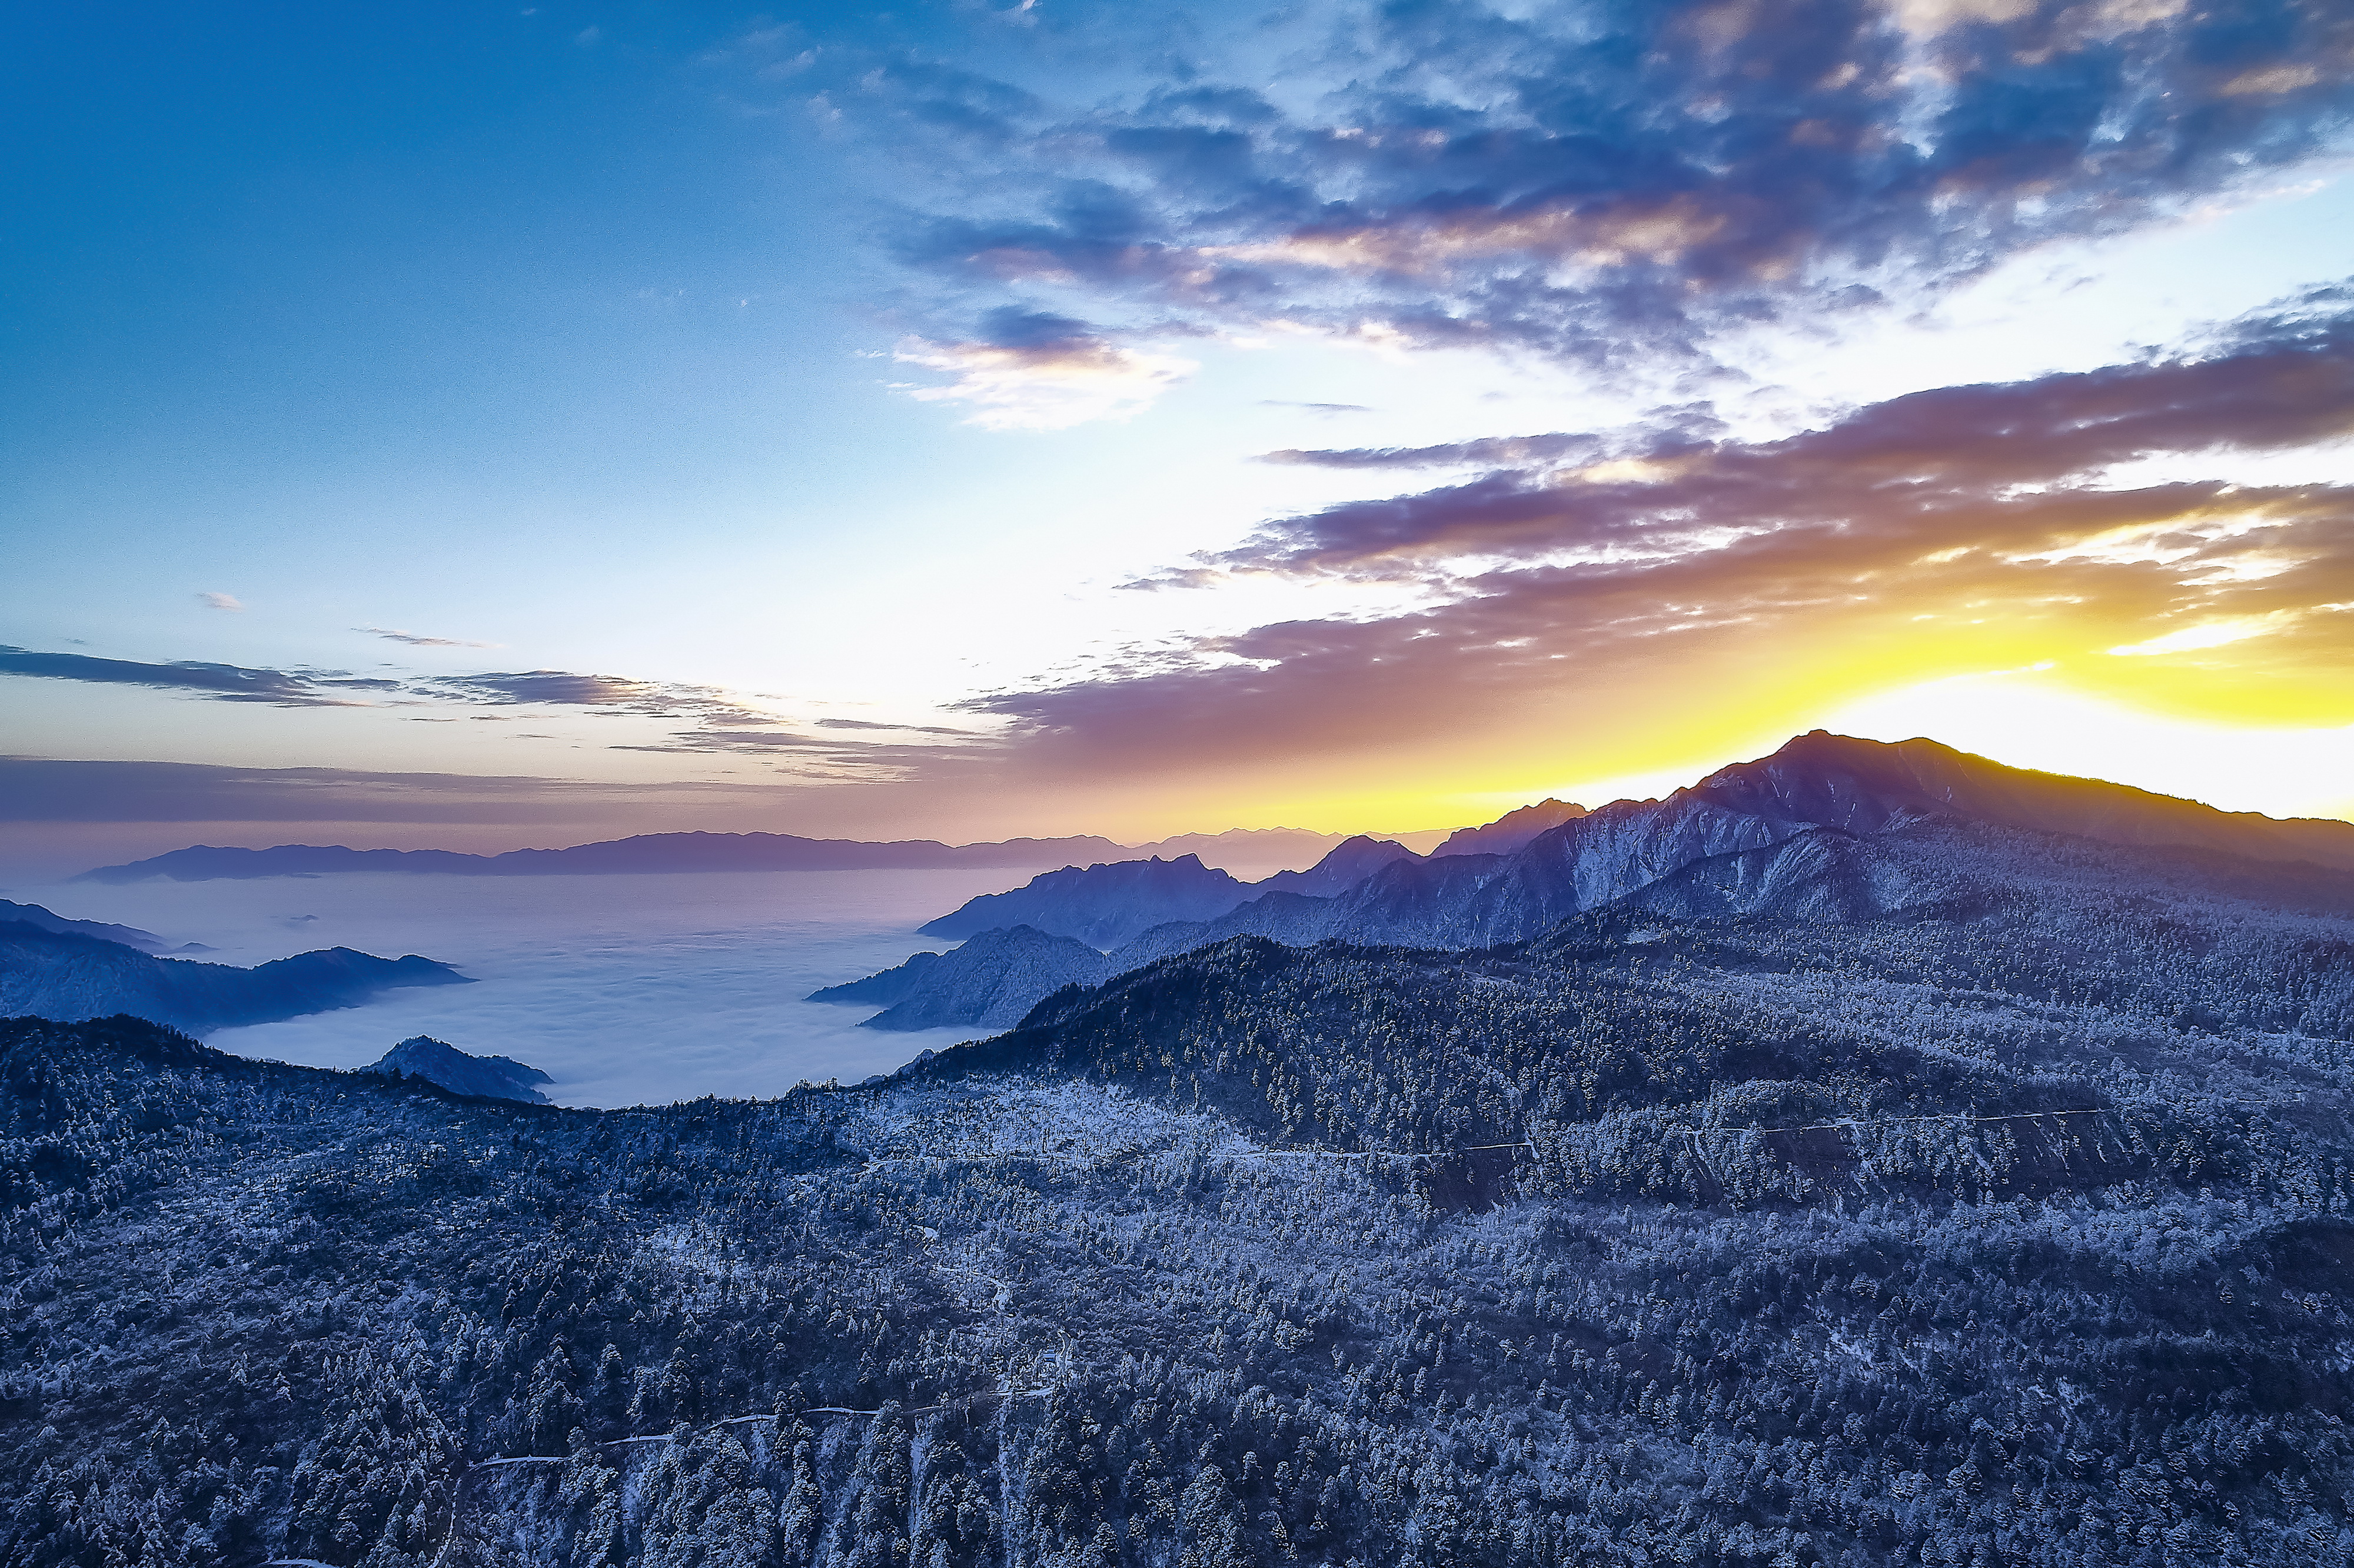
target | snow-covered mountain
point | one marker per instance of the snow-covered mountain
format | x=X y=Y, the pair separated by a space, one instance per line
x=1728 y=822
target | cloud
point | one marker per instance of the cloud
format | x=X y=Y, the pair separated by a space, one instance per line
x=905 y=728
x=1039 y=372
x=715 y=723
x=1602 y=183
x=563 y=688
x=220 y=601
x=39 y=789
x=415 y=640
x=2279 y=381
x=2209 y=635
x=1593 y=570
x=224 y=683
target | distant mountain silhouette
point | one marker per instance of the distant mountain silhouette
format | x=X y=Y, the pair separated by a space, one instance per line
x=64 y=975
x=486 y=1078
x=1349 y=863
x=1243 y=846
x=1510 y=830
x=648 y=853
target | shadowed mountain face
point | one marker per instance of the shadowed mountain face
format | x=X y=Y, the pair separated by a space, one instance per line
x=992 y=982
x=129 y=936
x=1110 y=904
x=2089 y=956
x=63 y=975
x=1862 y=788
x=1102 y=906
x=484 y=1078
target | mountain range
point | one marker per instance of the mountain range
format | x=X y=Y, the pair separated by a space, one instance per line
x=699 y=852
x=69 y=975
x=1863 y=791
x=1867 y=1157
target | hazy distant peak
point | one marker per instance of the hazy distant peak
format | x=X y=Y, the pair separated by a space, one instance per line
x=1510 y=830
x=1350 y=862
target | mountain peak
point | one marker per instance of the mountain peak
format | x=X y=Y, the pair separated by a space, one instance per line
x=484 y=1078
x=1512 y=830
x=1866 y=786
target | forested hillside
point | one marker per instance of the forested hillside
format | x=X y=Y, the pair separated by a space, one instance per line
x=1972 y=1227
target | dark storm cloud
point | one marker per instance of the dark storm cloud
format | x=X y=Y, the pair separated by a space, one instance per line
x=1612 y=180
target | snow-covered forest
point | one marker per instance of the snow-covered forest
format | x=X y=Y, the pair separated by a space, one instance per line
x=2012 y=1234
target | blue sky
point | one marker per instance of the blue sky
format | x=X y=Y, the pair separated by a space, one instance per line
x=866 y=412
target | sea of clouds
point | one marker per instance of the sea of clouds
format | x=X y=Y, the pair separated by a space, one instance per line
x=626 y=989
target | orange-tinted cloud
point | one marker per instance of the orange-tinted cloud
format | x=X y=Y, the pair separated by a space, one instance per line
x=1706 y=583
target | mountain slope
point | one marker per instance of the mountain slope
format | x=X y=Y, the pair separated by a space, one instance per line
x=1733 y=822
x=129 y=936
x=1861 y=1244
x=1510 y=830
x=1349 y=862
x=1103 y=904
x=990 y=982
x=62 y=975
x=486 y=1078
x=1866 y=786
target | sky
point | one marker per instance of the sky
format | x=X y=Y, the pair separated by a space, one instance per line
x=489 y=425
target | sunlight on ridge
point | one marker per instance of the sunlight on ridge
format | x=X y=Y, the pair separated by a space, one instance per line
x=2029 y=719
